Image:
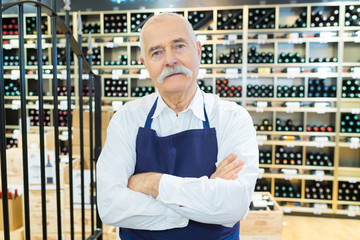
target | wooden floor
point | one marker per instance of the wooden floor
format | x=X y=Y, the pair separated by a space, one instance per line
x=318 y=228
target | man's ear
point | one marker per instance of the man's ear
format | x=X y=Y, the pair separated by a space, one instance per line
x=143 y=61
x=198 y=48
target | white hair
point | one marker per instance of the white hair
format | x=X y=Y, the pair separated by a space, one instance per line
x=162 y=17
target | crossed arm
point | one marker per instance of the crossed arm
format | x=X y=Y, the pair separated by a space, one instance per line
x=148 y=183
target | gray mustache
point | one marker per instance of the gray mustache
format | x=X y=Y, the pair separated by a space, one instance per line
x=173 y=70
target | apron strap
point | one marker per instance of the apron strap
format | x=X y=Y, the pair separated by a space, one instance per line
x=151 y=113
x=149 y=119
x=206 y=123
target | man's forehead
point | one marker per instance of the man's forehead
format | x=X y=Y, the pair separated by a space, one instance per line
x=156 y=35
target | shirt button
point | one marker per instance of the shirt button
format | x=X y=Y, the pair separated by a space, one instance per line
x=177 y=223
x=177 y=126
x=168 y=198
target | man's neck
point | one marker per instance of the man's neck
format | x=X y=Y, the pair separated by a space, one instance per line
x=179 y=101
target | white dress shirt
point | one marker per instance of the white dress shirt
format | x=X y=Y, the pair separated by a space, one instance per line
x=213 y=201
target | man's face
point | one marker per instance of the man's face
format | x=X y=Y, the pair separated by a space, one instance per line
x=167 y=43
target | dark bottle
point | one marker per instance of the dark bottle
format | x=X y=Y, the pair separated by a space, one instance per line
x=49 y=171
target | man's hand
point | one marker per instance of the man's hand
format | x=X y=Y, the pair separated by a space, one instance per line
x=228 y=168
x=147 y=183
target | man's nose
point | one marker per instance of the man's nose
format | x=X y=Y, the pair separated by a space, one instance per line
x=170 y=59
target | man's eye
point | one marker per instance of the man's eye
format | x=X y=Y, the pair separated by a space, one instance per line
x=156 y=53
x=180 y=46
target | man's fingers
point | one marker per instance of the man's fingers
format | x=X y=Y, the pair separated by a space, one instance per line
x=230 y=158
x=232 y=175
x=230 y=167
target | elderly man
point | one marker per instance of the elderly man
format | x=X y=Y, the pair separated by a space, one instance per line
x=177 y=164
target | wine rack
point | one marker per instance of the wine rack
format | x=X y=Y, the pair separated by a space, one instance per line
x=115 y=23
x=10 y=26
x=294 y=67
x=230 y=19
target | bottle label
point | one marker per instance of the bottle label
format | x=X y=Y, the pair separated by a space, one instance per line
x=352 y=180
x=287 y=209
x=319 y=175
x=294 y=38
x=262 y=38
x=231 y=73
x=232 y=38
x=289 y=173
x=15 y=105
x=144 y=74
x=14 y=43
x=116 y=73
x=355 y=110
x=15 y=74
x=201 y=74
x=201 y=38
x=63 y=105
x=352 y=210
x=261 y=172
x=354 y=143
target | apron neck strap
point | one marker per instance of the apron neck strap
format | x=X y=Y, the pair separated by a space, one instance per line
x=206 y=123
x=152 y=111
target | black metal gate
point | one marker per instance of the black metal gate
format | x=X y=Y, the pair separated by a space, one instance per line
x=57 y=23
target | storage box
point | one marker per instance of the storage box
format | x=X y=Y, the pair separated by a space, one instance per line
x=77 y=190
x=36 y=222
x=34 y=166
x=17 y=234
x=77 y=220
x=76 y=166
x=263 y=223
x=15 y=213
x=51 y=204
x=33 y=141
x=76 y=154
x=105 y=119
x=86 y=134
x=14 y=166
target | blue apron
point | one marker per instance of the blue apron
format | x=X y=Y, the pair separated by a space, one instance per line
x=191 y=153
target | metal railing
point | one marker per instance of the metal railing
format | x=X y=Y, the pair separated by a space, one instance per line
x=84 y=67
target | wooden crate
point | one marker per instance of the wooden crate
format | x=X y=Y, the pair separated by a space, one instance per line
x=17 y=234
x=15 y=210
x=77 y=220
x=264 y=224
x=14 y=166
x=36 y=203
x=36 y=222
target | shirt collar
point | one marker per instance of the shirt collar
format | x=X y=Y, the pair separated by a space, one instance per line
x=196 y=106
